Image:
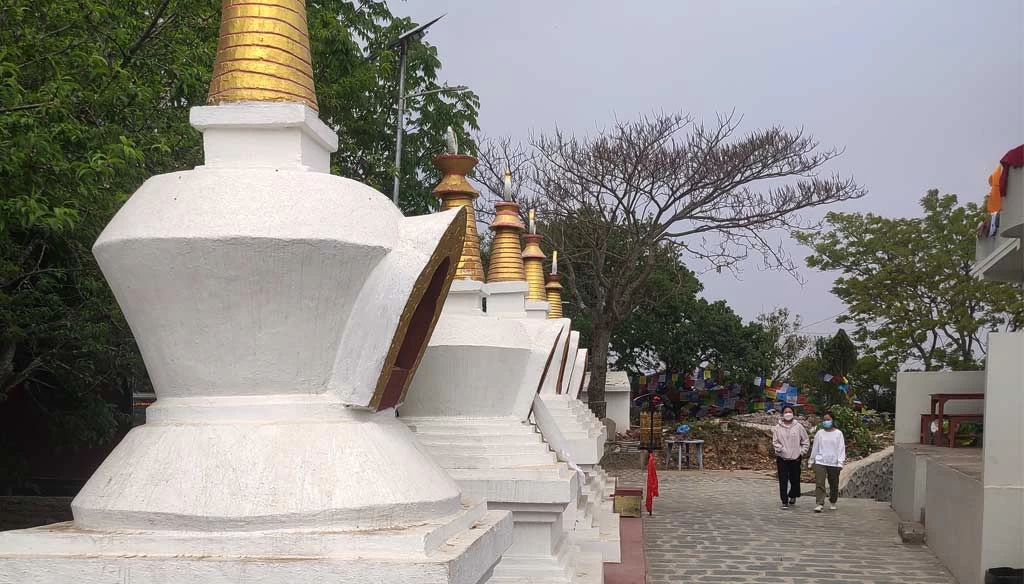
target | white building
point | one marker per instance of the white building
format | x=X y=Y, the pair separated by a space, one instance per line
x=971 y=500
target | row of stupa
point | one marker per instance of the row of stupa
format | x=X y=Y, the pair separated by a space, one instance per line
x=285 y=315
x=495 y=400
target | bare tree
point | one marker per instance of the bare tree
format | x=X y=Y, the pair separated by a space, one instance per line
x=496 y=155
x=611 y=199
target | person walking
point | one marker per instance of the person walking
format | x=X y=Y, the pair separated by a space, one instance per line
x=790 y=441
x=827 y=458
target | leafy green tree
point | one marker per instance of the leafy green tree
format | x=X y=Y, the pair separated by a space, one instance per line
x=874 y=383
x=838 y=357
x=908 y=287
x=94 y=99
x=867 y=373
x=786 y=345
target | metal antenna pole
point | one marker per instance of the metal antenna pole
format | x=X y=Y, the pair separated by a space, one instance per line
x=401 y=120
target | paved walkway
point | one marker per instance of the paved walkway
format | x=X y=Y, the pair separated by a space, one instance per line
x=718 y=527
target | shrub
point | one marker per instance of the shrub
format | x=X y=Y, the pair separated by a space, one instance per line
x=859 y=440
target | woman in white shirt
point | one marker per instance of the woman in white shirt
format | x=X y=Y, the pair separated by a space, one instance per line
x=827 y=457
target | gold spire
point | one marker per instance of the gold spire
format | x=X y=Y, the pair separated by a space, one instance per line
x=554 y=291
x=263 y=53
x=506 y=251
x=533 y=263
x=454 y=191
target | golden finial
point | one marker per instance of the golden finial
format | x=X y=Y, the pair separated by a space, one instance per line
x=454 y=191
x=533 y=262
x=554 y=292
x=263 y=53
x=506 y=251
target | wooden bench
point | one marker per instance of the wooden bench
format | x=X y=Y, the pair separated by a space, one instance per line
x=938 y=402
x=955 y=421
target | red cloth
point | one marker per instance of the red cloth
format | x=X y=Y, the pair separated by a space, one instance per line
x=1012 y=159
x=652 y=483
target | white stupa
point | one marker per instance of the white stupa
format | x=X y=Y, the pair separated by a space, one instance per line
x=471 y=400
x=281 y=312
x=576 y=433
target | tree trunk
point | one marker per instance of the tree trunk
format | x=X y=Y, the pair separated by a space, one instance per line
x=599 y=338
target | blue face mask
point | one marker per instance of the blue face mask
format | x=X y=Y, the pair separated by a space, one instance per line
x=827 y=424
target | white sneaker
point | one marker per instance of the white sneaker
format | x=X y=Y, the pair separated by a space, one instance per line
x=832 y=507
x=818 y=509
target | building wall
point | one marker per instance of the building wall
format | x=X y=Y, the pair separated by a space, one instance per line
x=616 y=394
x=912 y=397
x=908 y=483
x=953 y=521
x=1003 y=536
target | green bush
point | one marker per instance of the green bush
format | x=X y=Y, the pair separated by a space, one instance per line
x=859 y=440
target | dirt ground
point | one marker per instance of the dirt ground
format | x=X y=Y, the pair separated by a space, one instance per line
x=730 y=445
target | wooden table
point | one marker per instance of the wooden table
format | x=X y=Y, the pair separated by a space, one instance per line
x=938 y=401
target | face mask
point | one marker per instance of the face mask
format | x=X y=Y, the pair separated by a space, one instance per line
x=827 y=424
x=787 y=416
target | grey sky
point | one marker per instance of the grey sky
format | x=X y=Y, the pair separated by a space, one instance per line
x=920 y=93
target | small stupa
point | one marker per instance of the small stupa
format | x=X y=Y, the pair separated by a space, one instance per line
x=573 y=430
x=533 y=265
x=282 y=313
x=470 y=405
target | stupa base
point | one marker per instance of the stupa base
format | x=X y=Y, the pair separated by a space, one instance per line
x=569 y=565
x=506 y=461
x=570 y=427
x=461 y=549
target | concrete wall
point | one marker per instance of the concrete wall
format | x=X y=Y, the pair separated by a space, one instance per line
x=616 y=395
x=908 y=483
x=912 y=397
x=953 y=522
x=1003 y=534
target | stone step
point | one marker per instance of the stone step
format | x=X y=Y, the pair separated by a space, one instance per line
x=452 y=448
x=492 y=461
x=468 y=430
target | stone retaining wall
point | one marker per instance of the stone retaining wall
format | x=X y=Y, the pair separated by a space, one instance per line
x=868 y=478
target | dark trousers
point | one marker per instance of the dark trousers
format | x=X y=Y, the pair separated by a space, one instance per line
x=789 y=478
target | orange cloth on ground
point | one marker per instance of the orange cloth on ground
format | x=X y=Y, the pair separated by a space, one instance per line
x=994 y=201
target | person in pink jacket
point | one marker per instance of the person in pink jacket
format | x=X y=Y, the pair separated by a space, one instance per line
x=790 y=441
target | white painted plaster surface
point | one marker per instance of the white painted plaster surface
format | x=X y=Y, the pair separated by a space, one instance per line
x=579 y=370
x=469 y=407
x=570 y=362
x=908 y=482
x=506 y=298
x=953 y=522
x=264 y=295
x=912 y=398
x=550 y=382
x=537 y=309
x=1003 y=527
